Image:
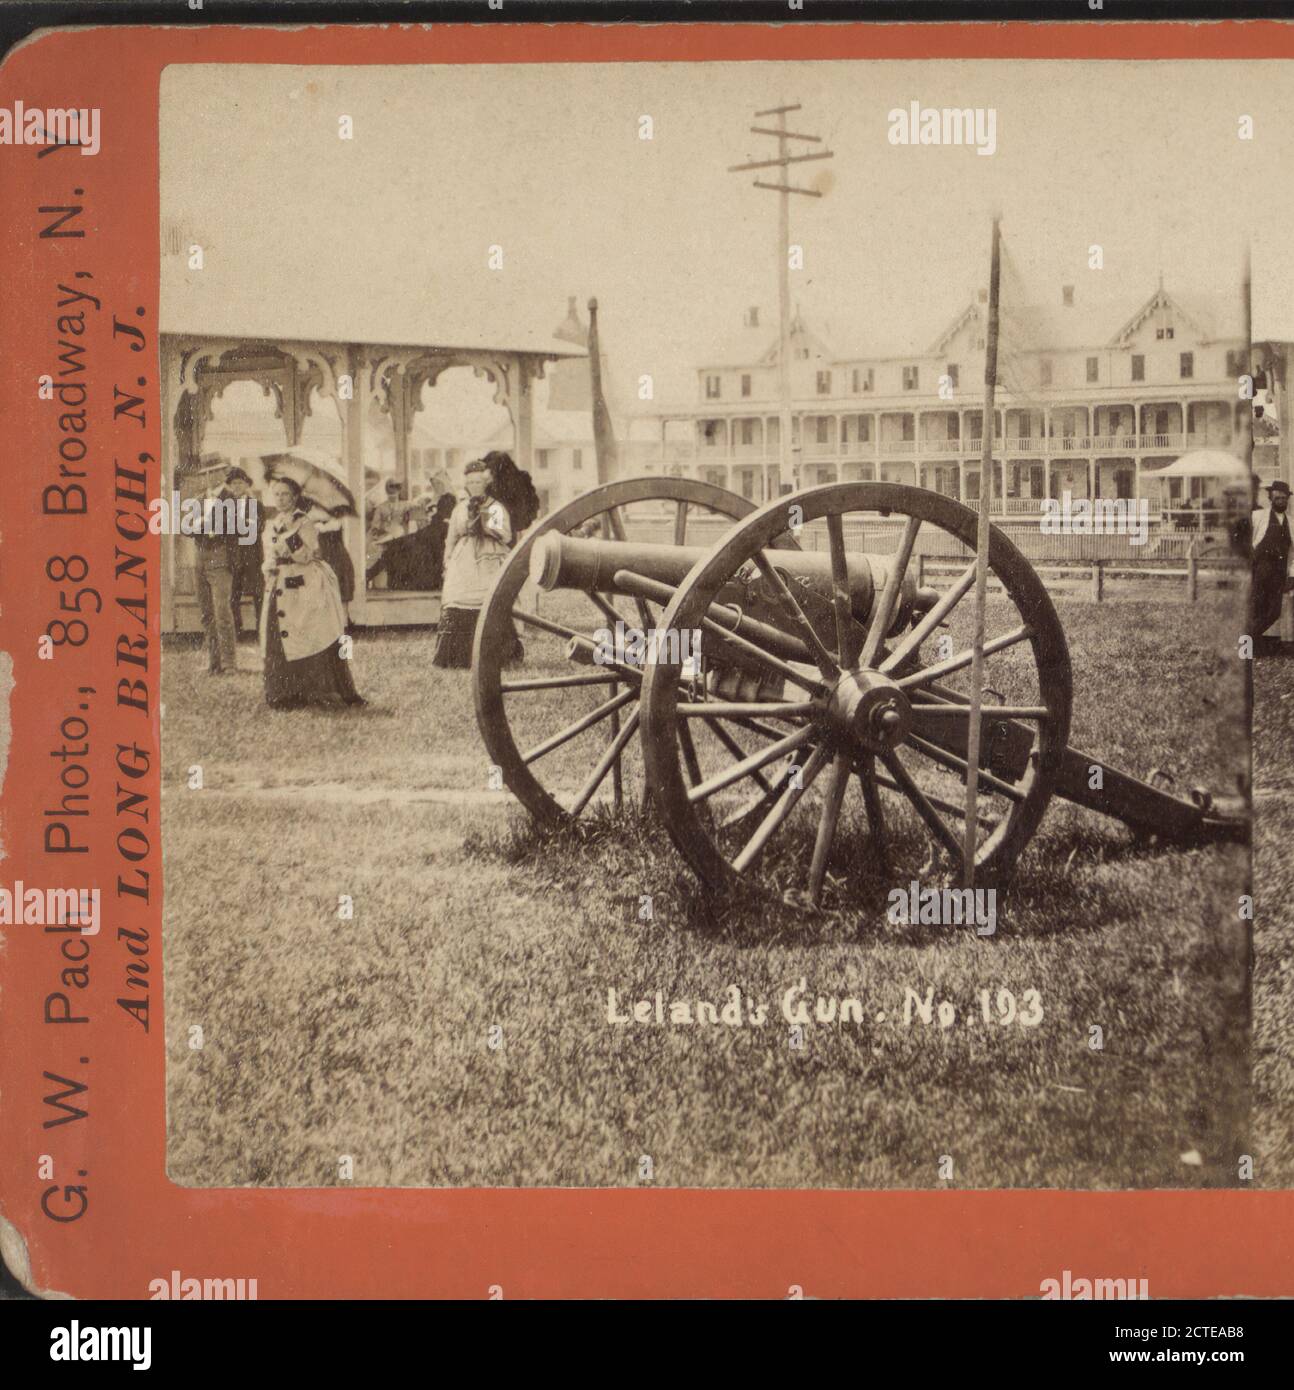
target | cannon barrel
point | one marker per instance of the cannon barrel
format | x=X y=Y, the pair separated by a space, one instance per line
x=568 y=562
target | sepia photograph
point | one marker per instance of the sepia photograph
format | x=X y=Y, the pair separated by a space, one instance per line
x=707 y=623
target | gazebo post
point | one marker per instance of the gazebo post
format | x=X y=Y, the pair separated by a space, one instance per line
x=526 y=372
x=353 y=465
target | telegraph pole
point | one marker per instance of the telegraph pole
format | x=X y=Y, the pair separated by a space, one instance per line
x=785 y=158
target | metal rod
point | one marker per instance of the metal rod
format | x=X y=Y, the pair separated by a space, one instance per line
x=789 y=188
x=981 y=557
x=788 y=159
x=790 y=134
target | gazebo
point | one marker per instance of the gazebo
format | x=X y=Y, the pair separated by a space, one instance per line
x=370 y=368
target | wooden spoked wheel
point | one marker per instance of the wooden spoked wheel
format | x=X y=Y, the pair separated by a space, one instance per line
x=560 y=731
x=888 y=709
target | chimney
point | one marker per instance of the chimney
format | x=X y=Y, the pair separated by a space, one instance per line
x=572 y=330
x=752 y=316
x=1067 y=296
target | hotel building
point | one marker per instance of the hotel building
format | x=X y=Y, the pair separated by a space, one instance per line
x=1090 y=400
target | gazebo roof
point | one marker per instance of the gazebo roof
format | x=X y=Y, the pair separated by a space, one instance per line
x=385 y=318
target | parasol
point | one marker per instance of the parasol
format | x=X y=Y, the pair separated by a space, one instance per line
x=317 y=473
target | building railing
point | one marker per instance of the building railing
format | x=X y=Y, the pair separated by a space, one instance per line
x=1010 y=446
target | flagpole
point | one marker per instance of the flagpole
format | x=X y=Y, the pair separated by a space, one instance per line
x=604 y=439
x=970 y=841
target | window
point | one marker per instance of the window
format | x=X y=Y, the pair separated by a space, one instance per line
x=1138 y=367
x=747 y=431
x=910 y=378
x=1046 y=371
x=577 y=459
x=824 y=429
x=802 y=354
x=745 y=384
x=541 y=458
x=712 y=388
x=1168 y=332
x=953 y=373
x=863 y=378
x=1236 y=363
x=979 y=342
x=1093 y=369
x=1187 y=364
x=865 y=428
x=824 y=383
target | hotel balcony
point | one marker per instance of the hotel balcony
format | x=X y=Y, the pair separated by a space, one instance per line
x=1012 y=446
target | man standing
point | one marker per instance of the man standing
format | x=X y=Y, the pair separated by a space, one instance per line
x=1273 y=575
x=214 y=571
x=247 y=554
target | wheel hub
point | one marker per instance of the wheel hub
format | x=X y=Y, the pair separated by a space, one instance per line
x=869 y=708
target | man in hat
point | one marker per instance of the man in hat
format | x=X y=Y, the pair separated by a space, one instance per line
x=1273 y=563
x=247 y=554
x=214 y=575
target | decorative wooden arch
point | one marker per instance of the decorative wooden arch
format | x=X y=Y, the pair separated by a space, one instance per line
x=357 y=378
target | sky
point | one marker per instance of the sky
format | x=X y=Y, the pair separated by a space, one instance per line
x=302 y=229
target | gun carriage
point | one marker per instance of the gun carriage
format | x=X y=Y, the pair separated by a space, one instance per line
x=822 y=662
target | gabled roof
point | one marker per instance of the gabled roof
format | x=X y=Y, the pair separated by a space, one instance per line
x=758 y=346
x=1098 y=324
x=967 y=315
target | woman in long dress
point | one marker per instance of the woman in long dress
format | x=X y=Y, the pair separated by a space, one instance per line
x=477 y=544
x=303 y=620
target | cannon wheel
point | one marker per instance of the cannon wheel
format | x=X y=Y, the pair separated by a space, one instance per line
x=497 y=686
x=851 y=713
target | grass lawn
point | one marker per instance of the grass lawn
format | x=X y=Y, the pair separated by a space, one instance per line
x=371 y=1038
x=1273 y=920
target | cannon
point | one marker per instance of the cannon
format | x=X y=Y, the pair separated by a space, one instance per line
x=813 y=659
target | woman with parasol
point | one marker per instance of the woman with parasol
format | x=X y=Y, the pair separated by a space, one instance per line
x=303 y=620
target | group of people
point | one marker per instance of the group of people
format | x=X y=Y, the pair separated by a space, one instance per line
x=295 y=568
